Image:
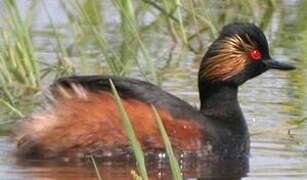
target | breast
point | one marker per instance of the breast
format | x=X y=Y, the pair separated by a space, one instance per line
x=80 y=122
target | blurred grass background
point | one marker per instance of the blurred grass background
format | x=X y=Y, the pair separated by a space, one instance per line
x=89 y=44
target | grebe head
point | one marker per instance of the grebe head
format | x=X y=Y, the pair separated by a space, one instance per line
x=241 y=52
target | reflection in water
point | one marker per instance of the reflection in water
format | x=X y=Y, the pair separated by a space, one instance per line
x=225 y=169
x=118 y=169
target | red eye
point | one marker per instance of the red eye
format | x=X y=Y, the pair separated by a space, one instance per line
x=256 y=55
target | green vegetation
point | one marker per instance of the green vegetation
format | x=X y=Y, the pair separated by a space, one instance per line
x=90 y=44
x=19 y=72
x=96 y=168
x=136 y=146
x=168 y=148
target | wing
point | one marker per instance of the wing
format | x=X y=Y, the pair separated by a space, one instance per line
x=134 y=89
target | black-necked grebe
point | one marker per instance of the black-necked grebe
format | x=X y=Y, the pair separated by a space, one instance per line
x=84 y=118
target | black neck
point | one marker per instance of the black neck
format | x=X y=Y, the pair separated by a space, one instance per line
x=220 y=102
x=220 y=106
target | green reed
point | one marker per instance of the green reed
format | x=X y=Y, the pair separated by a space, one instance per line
x=129 y=28
x=136 y=147
x=175 y=168
x=19 y=71
x=99 y=177
x=23 y=71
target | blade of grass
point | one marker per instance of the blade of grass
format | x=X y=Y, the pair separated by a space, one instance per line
x=271 y=3
x=111 y=56
x=183 y=31
x=204 y=19
x=175 y=168
x=150 y=67
x=20 y=29
x=59 y=47
x=20 y=114
x=135 y=176
x=18 y=62
x=136 y=147
x=163 y=10
x=99 y=177
x=127 y=48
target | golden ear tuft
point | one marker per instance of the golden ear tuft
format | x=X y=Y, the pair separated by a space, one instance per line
x=230 y=60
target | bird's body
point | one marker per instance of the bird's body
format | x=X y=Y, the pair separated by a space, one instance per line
x=83 y=118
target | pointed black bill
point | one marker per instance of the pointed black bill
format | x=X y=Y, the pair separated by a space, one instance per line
x=273 y=64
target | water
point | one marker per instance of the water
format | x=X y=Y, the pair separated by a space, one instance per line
x=272 y=103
